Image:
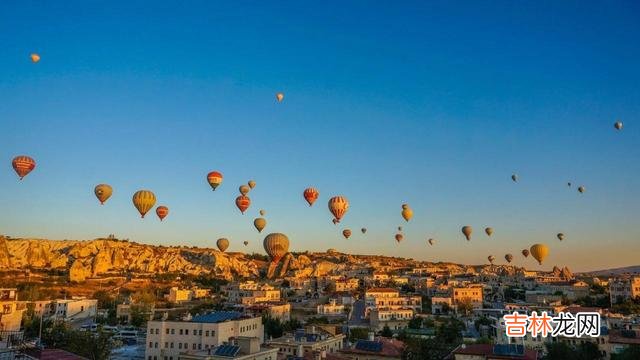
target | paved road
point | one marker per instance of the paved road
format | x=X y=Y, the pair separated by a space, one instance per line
x=356 y=317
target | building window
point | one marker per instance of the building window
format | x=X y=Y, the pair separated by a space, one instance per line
x=173 y=331
x=179 y=345
x=180 y=331
x=150 y=344
x=167 y=331
x=206 y=333
x=186 y=331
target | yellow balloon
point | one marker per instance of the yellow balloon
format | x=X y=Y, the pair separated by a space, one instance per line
x=259 y=223
x=103 y=192
x=222 y=244
x=539 y=252
x=407 y=213
x=35 y=58
x=489 y=231
x=144 y=200
x=244 y=189
x=251 y=184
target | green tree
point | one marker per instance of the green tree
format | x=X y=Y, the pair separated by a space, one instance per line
x=630 y=353
x=465 y=306
x=415 y=323
x=386 y=332
x=358 y=333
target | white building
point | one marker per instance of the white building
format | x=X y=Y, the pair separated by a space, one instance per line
x=331 y=309
x=243 y=348
x=167 y=339
x=75 y=309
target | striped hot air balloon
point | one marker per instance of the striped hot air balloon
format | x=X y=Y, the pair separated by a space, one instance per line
x=23 y=165
x=144 y=200
x=276 y=245
x=243 y=202
x=311 y=195
x=214 y=179
x=162 y=212
x=338 y=205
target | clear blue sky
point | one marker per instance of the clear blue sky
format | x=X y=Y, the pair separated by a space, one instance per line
x=433 y=104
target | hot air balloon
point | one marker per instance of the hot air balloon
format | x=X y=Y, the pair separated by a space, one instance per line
x=514 y=177
x=508 y=257
x=399 y=228
x=569 y=184
x=525 y=252
x=144 y=200
x=489 y=231
x=251 y=184
x=311 y=195
x=222 y=244
x=35 y=58
x=243 y=202
x=467 y=230
x=491 y=258
x=215 y=179
x=407 y=213
x=262 y=212
x=560 y=236
x=244 y=189
x=364 y=230
x=259 y=223
x=338 y=205
x=334 y=221
x=246 y=243
x=581 y=189
x=618 y=125
x=399 y=237
x=431 y=241
x=346 y=233
x=280 y=97
x=23 y=165
x=539 y=252
x=162 y=212
x=103 y=192
x=276 y=245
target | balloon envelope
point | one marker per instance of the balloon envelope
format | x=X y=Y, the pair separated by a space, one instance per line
x=162 y=212
x=364 y=230
x=346 y=233
x=491 y=258
x=251 y=184
x=214 y=179
x=222 y=244
x=280 y=97
x=539 y=252
x=467 y=231
x=259 y=223
x=489 y=231
x=514 y=177
x=276 y=245
x=144 y=200
x=407 y=214
x=560 y=236
x=525 y=252
x=262 y=212
x=243 y=202
x=23 y=165
x=399 y=237
x=508 y=257
x=581 y=189
x=103 y=192
x=431 y=241
x=246 y=243
x=618 y=125
x=338 y=205
x=244 y=189
x=35 y=58
x=310 y=195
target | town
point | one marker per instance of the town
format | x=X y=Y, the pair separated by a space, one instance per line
x=327 y=305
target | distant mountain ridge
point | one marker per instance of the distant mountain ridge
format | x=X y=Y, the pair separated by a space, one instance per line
x=634 y=269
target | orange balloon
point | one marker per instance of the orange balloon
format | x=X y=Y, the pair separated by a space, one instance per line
x=214 y=179
x=243 y=202
x=311 y=195
x=35 y=58
x=23 y=165
x=162 y=212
